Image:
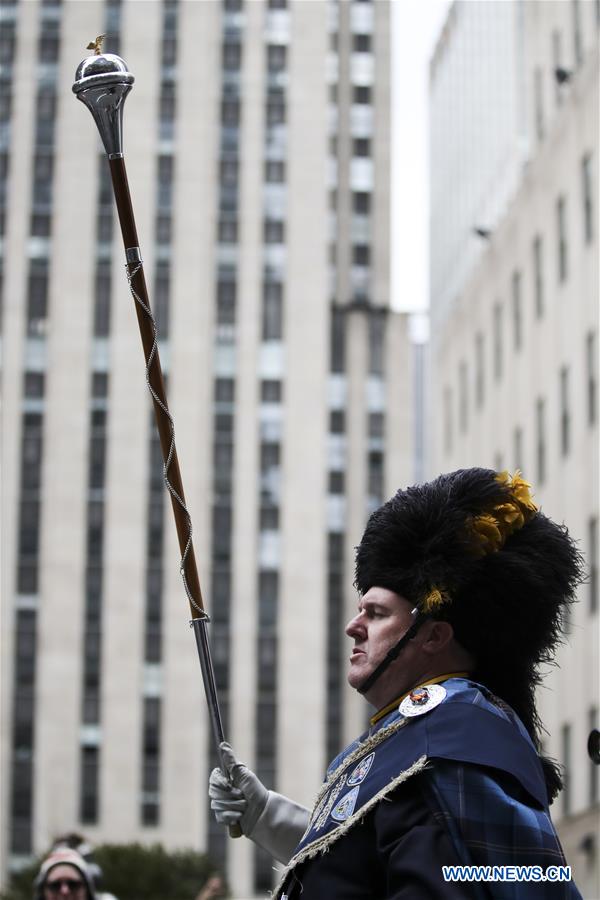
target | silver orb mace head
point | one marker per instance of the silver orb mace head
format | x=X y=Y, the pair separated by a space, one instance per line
x=102 y=82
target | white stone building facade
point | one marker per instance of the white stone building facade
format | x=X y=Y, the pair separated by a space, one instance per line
x=514 y=380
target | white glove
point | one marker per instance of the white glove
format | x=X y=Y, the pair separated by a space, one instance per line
x=272 y=821
x=237 y=796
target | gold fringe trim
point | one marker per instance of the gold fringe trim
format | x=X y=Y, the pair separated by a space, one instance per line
x=373 y=741
x=322 y=845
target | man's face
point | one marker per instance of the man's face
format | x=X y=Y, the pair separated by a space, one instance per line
x=64 y=881
x=382 y=618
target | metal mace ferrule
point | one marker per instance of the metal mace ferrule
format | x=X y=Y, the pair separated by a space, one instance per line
x=102 y=82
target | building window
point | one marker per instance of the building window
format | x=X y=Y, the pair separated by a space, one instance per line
x=49 y=44
x=361 y=254
x=165 y=181
x=518 y=448
x=228 y=230
x=538 y=93
x=270 y=391
x=361 y=202
x=517 y=311
x=538 y=275
x=102 y=298
x=592 y=378
x=89 y=799
x=361 y=94
x=275 y=106
x=150 y=807
x=588 y=198
x=231 y=56
x=361 y=43
x=37 y=297
x=269 y=517
x=337 y=421
x=338 y=340
x=561 y=235
x=336 y=483
x=274 y=171
x=230 y=111
x=593 y=563
x=167 y=108
x=463 y=399
x=479 y=370
x=274 y=231
x=565 y=415
x=540 y=426
x=377 y=343
x=577 y=42
x=226 y=301
x=361 y=147
x=276 y=57
x=557 y=64
x=447 y=407
x=272 y=311
x=498 y=342
x=376 y=425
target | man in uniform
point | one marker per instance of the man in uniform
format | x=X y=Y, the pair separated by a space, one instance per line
x=463 y=585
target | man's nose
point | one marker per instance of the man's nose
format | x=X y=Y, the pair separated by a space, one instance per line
x=356 y=627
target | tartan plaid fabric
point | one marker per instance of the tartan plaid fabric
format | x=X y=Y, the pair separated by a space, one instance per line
x=492 y=822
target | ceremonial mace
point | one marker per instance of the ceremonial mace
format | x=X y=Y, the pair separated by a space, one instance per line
x=102 y=82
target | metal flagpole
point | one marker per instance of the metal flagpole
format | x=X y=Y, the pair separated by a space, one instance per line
x=102 y=82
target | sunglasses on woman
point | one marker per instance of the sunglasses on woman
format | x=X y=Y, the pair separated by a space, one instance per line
x=73 y=884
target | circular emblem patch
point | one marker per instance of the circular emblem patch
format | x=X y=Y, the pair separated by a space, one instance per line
x=422 y=700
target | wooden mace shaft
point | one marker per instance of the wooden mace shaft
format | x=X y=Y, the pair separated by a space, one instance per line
x=155 y=377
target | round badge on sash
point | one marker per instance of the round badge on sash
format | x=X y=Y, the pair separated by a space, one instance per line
x=422 y=700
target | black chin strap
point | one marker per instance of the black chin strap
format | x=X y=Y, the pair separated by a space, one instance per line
x=394 y=652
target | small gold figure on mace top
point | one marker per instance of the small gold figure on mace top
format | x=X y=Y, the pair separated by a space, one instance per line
x=96 y=45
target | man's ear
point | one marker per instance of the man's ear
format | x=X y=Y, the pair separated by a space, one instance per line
x=438 y=637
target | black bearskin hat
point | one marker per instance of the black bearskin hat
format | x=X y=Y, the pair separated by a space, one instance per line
x=472 y=548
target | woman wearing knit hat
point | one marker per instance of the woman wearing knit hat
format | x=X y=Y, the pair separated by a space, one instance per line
x=64 y=875
x=463 y=588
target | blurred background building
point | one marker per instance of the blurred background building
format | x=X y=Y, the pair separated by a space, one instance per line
x=257 y=145
x=257 y=140
x=514 y=312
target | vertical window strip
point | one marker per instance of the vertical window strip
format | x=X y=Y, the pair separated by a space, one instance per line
x=587 y=198
x=565 y=413
x=463 y=385
x=517 y=310
x=561 y=235
x=272 y=329
x=151 y=747
x=24 y=665
x=538 y=93
x=538 y=275
x=540 y=422
x=592 y=564
x=498 y=327
x=479 y=370
x=577 y=37
x=92 y=633
x=223 y=407
x=591 y=377
x=154 y=551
